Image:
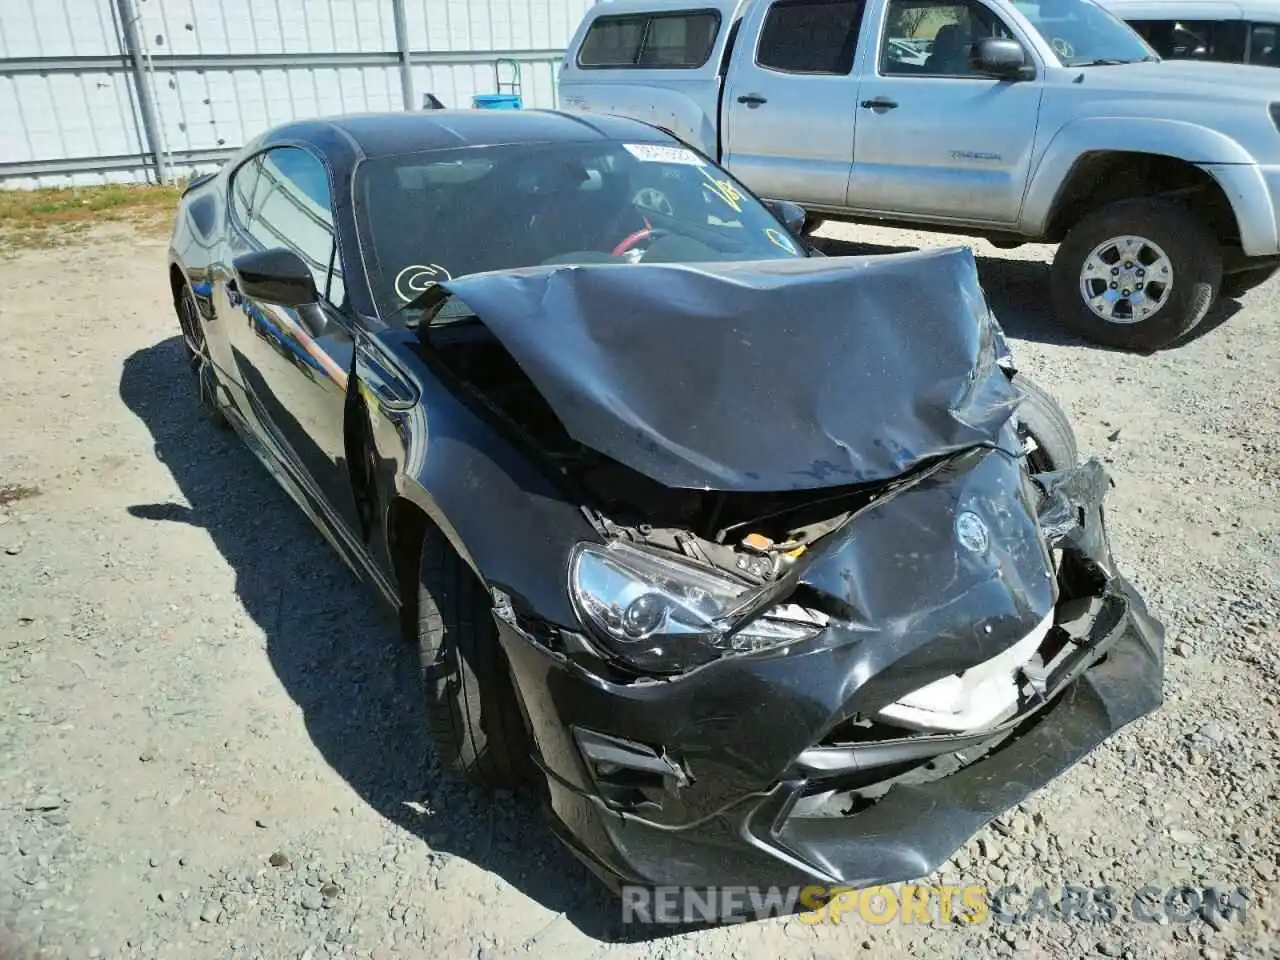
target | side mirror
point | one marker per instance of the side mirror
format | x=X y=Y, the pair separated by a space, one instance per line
x=1001 y=58
x=792 y=215
x=275 y=276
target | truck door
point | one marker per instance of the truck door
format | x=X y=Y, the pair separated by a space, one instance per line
x=935 y=137
x=790 y=100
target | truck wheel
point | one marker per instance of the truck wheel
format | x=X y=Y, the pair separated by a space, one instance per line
x=1136 y=274
x=1236 y=285
x=1040 y=420
x=471 y=704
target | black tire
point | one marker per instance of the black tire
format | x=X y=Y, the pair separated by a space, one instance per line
x=471 y=705
x=196 y=350
x=1041 y=419
x=1236 y=285
x=1190 y=246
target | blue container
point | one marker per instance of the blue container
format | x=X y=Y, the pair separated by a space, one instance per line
x=496 y=101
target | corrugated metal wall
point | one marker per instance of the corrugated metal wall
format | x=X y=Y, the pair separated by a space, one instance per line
x=219 y=71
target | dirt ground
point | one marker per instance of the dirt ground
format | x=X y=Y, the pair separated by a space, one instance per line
x=211 y=744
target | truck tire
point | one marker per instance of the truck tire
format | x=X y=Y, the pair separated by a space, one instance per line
x=1040 y=419
x=1136 y=274
x=472 y=710
x=1236 y=285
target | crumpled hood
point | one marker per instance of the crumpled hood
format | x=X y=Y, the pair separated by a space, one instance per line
x=764 y=375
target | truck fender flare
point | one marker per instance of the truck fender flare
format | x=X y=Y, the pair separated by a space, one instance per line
x=1169 y=138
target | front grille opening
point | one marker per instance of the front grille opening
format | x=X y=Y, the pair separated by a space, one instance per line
x=849 y=796
x=859 y=729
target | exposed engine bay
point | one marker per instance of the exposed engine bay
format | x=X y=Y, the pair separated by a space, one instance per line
x=754 y=536
x=673 y=417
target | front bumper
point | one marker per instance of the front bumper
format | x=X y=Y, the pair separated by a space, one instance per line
x=686 y=789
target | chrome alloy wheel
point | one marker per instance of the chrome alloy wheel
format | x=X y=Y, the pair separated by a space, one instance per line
x=197 y=352
x=1126 y=279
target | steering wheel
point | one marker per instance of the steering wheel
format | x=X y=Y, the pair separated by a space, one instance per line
x=1062 y=48
x=644 y=234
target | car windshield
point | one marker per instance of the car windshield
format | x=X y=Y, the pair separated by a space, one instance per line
x=430 y=216
x=1083 y=34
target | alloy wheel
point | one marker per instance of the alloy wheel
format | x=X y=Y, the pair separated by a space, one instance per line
x=1126 y=279
x=194 y=344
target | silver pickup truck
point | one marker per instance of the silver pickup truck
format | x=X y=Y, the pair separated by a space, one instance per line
x=1018 y=121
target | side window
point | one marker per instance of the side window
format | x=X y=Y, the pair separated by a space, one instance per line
x=613 y=42
x=935 y=38
x=661 y=41
x=682 y=41
x=243 y=184
x=810 y=36
x=294 y=210
x=1222 y=40
x=1264 y=44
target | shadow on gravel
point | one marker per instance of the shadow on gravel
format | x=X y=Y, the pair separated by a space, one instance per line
x=338 y=654
x=1222 y=311
x=1018 y=291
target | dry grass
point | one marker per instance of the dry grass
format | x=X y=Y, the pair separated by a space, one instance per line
x=42 y=218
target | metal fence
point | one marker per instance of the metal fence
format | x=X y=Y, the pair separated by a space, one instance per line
x=95 y=91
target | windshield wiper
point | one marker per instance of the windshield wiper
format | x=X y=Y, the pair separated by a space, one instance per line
x=418 y=304
x=1113 y=62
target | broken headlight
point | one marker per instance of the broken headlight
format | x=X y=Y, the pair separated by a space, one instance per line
x=662 y=614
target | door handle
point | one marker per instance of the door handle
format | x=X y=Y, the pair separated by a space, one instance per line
x=752 y=100
x=880 y=103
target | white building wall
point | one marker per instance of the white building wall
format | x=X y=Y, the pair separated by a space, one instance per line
x=220 y=71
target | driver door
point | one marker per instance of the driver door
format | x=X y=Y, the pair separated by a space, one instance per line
x=935 y=138
x=296 y=380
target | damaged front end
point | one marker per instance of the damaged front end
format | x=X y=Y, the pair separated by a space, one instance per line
x=861 y=717
x=823 y=635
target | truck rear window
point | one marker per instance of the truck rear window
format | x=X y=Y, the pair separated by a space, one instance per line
x=680 y=41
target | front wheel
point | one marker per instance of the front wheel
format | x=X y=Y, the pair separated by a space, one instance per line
x=471 y=702
x=1044 y=429
x=1136 y=274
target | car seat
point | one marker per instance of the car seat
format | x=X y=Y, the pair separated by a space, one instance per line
x=950 y=52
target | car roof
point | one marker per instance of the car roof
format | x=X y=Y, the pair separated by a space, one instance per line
x=386 y=134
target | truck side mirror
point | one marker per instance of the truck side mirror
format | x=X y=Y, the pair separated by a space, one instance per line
x=1001 y=58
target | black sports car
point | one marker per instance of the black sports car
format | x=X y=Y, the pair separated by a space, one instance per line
x=762 y=566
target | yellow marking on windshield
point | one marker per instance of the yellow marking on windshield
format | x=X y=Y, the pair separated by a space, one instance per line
x=779 y=240
x=725 y=190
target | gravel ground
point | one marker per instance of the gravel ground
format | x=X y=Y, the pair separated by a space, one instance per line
x=211 y=745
